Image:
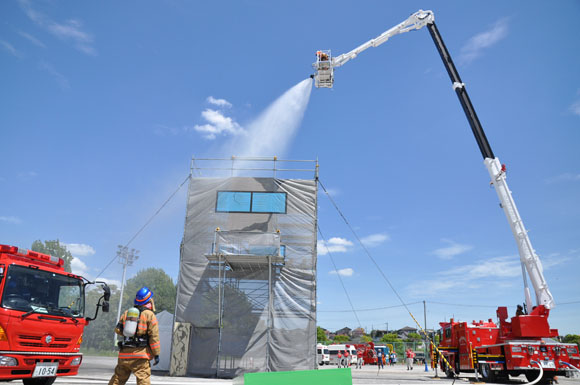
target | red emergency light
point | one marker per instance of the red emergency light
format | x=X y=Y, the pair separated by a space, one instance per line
x=32 y=255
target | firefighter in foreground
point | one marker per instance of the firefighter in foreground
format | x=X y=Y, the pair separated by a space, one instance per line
x=140 y=331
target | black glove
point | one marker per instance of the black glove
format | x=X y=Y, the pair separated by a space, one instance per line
x=155 y=360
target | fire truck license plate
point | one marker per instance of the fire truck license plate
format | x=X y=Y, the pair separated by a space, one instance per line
x=45 y=369
x=548 y=364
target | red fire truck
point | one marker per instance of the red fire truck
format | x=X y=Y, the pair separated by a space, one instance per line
x=41 y=316
x=368 y=352
x=524 y=345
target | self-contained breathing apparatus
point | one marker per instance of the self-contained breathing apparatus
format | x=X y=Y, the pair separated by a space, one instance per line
x=129 y=329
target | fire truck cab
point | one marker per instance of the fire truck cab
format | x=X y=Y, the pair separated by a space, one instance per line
x=458 y=340
x=42 y=316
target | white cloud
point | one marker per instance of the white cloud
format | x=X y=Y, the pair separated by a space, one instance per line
x=498 y=267
x=452 y=250
x=347 y=272
x=26 y=176
x=71 y=30
x=478 y=43
x=566 y=177
x=32 y=39
x=218 y=102
x=30 y=12
x=60 y=78
x=331 y=191
x=79 y=249
x=217 y=123
x=374 y=240
x=10 y=49
x=78 y=267
x=13 y=220
x=575 y=108
x=497 y=271
x=333 y=245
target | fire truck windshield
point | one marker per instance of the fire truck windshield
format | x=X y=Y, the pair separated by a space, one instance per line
x=35 y=291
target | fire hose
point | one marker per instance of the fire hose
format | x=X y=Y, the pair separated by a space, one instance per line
x=569 y=365
x=541 y=373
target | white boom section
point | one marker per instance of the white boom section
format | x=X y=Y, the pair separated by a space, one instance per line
x=527 y=253
x=416 y=21
x=324 y=78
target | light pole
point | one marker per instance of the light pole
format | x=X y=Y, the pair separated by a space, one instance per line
x=425 y=336
x=126 y=258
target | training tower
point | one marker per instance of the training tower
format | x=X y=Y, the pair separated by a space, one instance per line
x=246 y=296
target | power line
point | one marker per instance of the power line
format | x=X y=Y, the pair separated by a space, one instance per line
x=461 y=305
x=429 y=302
x=368 y=309
x=146 y=224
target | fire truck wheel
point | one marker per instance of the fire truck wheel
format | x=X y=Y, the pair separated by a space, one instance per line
x=39 y=381
x=486 y=373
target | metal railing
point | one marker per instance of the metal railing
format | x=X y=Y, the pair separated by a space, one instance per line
x=252 y=165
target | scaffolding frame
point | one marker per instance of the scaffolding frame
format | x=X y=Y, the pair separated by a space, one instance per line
x=241 y=262
x=257 y=274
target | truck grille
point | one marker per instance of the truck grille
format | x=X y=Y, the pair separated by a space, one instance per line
x=36 y=341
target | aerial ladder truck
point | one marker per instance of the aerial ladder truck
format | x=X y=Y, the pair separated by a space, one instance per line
x=525 y=344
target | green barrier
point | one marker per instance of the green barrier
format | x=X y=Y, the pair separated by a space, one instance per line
x=302 y=377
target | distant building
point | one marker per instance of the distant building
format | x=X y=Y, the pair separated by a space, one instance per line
x=404 y=332
x=378 y=334
x=344 y=331
x=357 y=333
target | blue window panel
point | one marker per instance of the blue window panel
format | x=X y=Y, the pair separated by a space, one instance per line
x=269 y=203
x=282 y=250
x=233 y=201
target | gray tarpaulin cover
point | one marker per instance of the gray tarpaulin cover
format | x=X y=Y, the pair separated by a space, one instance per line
x=165 y=322
x=268 y=317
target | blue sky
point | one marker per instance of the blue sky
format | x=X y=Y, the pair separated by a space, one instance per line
x=104 y=104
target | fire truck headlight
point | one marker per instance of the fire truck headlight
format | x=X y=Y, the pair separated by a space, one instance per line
x=8 y=361
x=76 y=361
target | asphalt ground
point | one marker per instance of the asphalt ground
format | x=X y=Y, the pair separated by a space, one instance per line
x=98 y=370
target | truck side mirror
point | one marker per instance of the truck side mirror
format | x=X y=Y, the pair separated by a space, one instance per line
x=105 y=306
x=107 y=294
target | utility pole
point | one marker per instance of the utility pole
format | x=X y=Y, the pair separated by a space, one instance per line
x=425 y=319
x=126 y=258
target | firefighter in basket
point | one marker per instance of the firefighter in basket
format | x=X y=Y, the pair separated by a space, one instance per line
x=140 y=344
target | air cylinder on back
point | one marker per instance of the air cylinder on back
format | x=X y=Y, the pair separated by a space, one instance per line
x=131 y=322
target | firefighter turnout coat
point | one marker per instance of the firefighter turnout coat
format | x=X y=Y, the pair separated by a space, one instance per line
x=146 y=328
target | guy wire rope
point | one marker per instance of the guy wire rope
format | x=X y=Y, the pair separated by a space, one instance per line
x=339 y=278
x=386 y=279
x=146 y=223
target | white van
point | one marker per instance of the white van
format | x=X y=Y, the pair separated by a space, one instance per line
x=334 y=349
x=322 y=355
